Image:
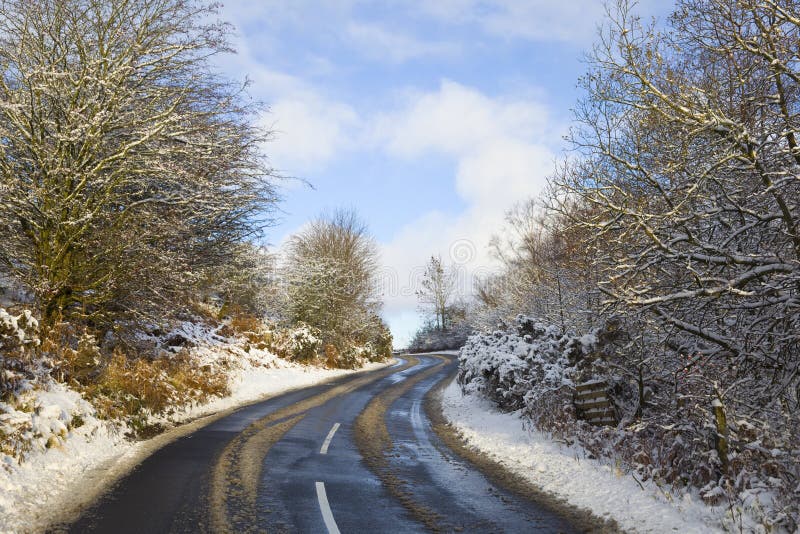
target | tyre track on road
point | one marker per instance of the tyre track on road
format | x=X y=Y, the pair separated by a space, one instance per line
x=237 y=471
x=502 y=476
x=375 y=444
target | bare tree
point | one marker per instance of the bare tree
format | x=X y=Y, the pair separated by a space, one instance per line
x=438 y=285
x=688 y=172
x=128 y=165
x=547 y=271
x=692 y=158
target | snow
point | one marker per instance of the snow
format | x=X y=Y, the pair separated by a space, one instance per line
x=253 y=383
x=76 y=455
x=565 y=471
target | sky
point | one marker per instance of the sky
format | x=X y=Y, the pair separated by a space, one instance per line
x=431 y=118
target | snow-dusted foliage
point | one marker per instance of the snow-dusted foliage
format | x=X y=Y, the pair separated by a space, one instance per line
x=41 y=419
x=429 y=338
x=17 y=330
x=121 y=201
x=331 y=284
x=671 y=430
x=530 y=366
x=305 y=342
x=18 y=337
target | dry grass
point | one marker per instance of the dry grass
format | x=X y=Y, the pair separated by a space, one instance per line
x=331 y=355
x=132 y=389
x=258 y=334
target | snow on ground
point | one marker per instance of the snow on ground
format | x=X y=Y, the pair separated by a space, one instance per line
x=564 y=471
x=80 y=454
x=261 y=383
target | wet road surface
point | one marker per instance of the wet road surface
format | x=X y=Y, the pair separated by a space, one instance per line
x=307 y=461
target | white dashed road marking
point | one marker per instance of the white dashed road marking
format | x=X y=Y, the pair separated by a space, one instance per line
x=325 y=508
x=327 y=442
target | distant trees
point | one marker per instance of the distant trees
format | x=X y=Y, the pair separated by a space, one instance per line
x=331 y=277
x=546 y=272
x=436 y=291
x=447 y=315
x=129 y=168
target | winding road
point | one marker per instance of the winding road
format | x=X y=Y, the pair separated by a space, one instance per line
x=358 y=454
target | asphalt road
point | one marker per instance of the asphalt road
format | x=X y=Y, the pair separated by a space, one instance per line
x=354 y=455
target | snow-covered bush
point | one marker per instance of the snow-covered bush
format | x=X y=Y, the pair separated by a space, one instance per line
x=530 y=366
x=17 y=330
x=305 y=342
x=429 y=338
x=18 y=336
x=672 y=435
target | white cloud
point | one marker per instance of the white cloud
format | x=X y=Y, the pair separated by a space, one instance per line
x=309 y=131
x=572 y=21
x=539 y=20
x=459 y=120
x=309 y=128
x=376 y=42
x=503 y=172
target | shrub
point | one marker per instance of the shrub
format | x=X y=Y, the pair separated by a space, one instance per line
x=306 y=342
x=674 y=440
x=18 y=339
x=133 y=389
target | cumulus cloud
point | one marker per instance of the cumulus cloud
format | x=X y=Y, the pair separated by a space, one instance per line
x=309 y=131
x=309 y=128
x=457 y=120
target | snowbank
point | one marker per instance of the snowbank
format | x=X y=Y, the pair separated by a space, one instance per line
x=566 y=472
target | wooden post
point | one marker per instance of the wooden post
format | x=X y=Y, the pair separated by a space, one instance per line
x=721 y=437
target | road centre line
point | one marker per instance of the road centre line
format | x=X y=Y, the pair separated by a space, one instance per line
x=325 y=508
x=327 y=442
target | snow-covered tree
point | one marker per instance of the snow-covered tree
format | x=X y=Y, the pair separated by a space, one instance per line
x=129 y=166
x=687 y=173
x=331 y=277
x=691 y=167
x=546 y=272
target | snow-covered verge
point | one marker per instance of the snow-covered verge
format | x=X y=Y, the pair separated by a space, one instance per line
x=71 y=453
x=667 y=435
x=565 y=471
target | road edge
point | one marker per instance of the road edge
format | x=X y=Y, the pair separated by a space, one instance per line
x=580 y=518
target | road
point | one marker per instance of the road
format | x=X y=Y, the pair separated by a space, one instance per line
x=358 y=454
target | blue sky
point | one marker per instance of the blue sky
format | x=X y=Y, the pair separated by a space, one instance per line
x=431 y=118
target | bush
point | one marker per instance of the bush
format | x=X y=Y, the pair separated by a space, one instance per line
x=18 y=339
x=520 y=367
x=430 y=339
x=306 y=342
x=674 y=441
